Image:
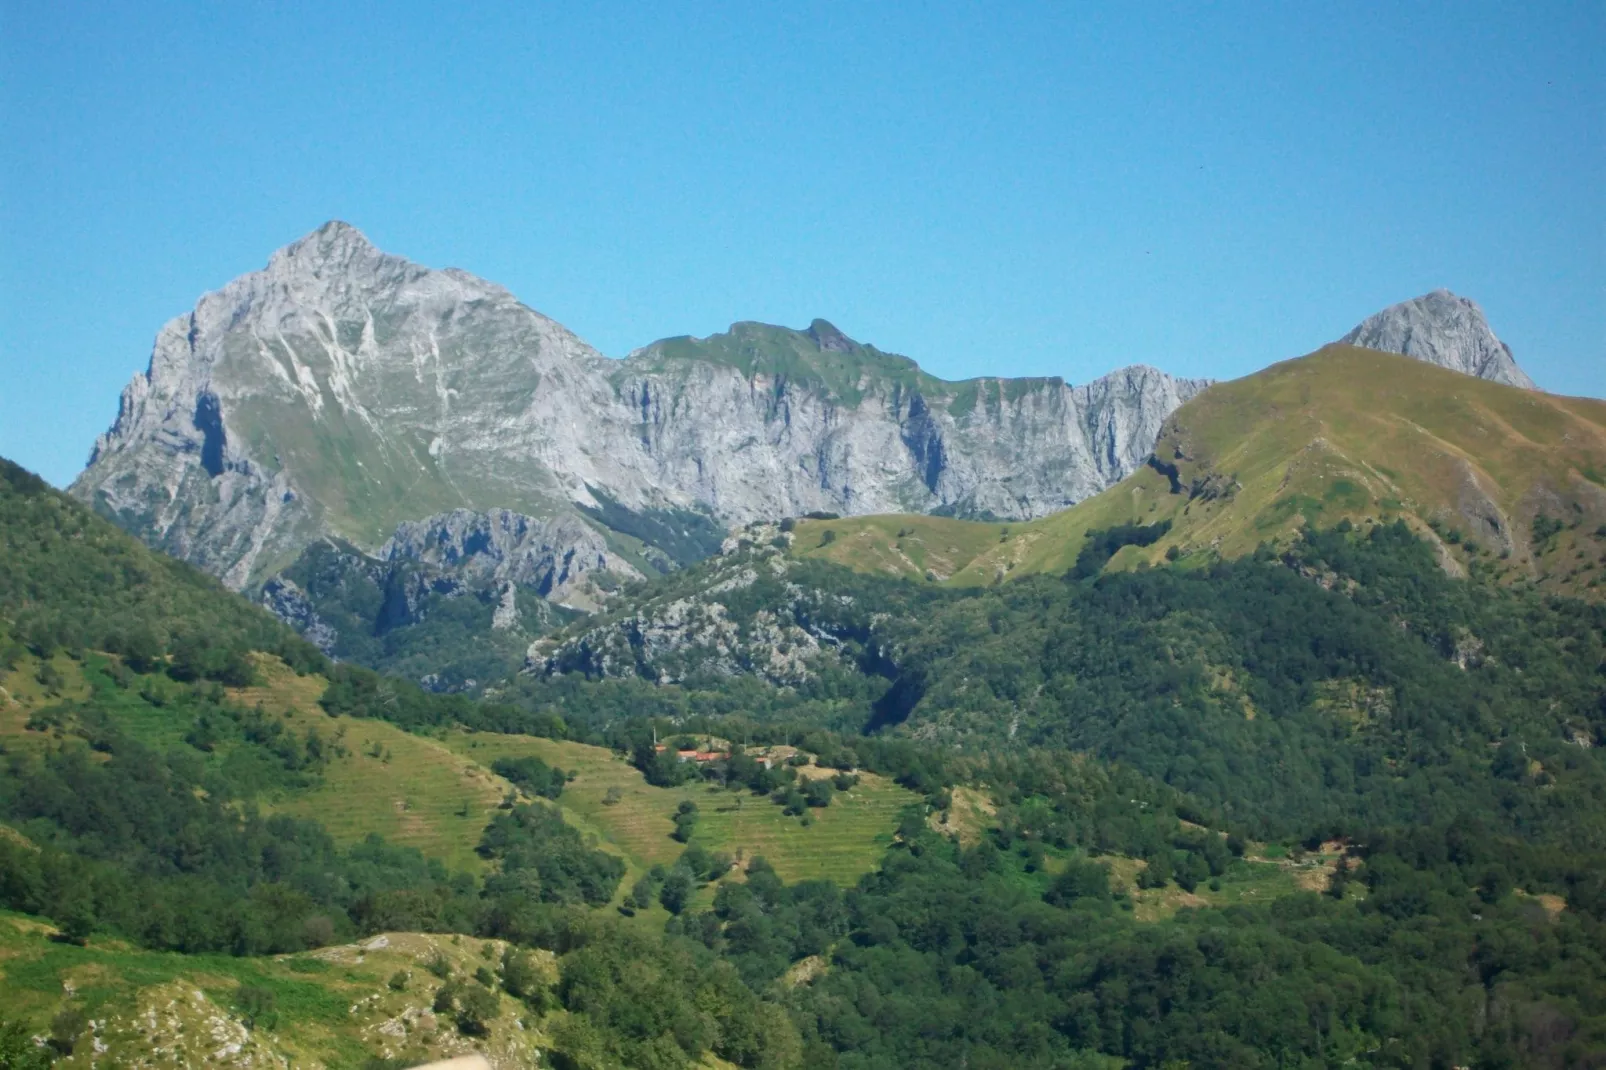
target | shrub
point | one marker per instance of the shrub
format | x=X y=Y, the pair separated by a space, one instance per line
x=523 y=977
x=477 y=1008
x=685 y=821
x=257 y=1005
x=676 y=892
x=66 y=1027
x=532 y=774
x=1079 y=880
x=818 y=793
x=17 y=1049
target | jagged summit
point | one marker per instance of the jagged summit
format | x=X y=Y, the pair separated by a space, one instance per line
x=345 y=392
x=331 y=239
x=1444 y=329
x=334 y=249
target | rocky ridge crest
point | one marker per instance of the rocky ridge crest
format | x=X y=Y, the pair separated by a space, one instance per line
x=343 y=392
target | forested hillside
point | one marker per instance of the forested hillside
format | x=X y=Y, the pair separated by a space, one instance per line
x=143 y=803
x=70 y=579
x=1323 y=805
x=1345 y=682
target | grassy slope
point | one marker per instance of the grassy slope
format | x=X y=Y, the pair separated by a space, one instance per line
x=1353 y=433
x=1344 y=432
x=413 y=791
x=898 y=545
x=845 y=840
x=438 y=796
x=334 y=1006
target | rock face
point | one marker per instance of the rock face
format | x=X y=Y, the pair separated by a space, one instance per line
x=344 y=393
x=739 y=613
x=1442 y=329
x=553 y=558
x=451 y=599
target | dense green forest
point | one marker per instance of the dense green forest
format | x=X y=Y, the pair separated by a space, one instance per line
x=70 y=580
x=1343 y=683
x=1440 y=736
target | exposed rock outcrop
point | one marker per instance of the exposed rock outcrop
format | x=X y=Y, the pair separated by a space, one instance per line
x=554 y=558
x=342 y=392
x=782 y=631
x=1442 y=329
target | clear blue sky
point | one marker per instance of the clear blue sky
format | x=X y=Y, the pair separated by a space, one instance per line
x=989 y=188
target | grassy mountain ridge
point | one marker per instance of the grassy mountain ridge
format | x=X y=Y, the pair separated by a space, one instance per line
x=819 y=355
x=1508 y=480
x=822 y=356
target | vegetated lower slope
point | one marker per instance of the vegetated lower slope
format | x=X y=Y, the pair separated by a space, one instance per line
x=132 y=802
x=1505 y=480
x=1347 y=681
x=1473 y=936
x=71 y=579
x=165 y=786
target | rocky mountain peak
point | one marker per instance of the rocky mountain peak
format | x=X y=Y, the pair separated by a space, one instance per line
x=335 y=242
x=343 y=392
x=1444 y=329
x=828 y=338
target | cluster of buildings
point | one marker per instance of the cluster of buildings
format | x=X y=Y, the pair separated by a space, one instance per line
x=768 y=757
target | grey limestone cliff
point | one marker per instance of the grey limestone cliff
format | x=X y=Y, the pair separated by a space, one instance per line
x=1442 y=329
x=345 y=393
x=554 y=558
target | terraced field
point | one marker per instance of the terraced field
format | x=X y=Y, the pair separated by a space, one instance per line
x=844 y=841
x=408 y=788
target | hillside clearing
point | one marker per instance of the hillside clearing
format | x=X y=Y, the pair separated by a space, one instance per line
x=845 y=840
x=409 y=789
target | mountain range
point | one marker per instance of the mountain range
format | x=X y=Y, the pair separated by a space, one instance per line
x=361 y=440
x=1168 y=749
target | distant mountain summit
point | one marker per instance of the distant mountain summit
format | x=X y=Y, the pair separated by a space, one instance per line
x=1442 y=329
x=345 y=396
